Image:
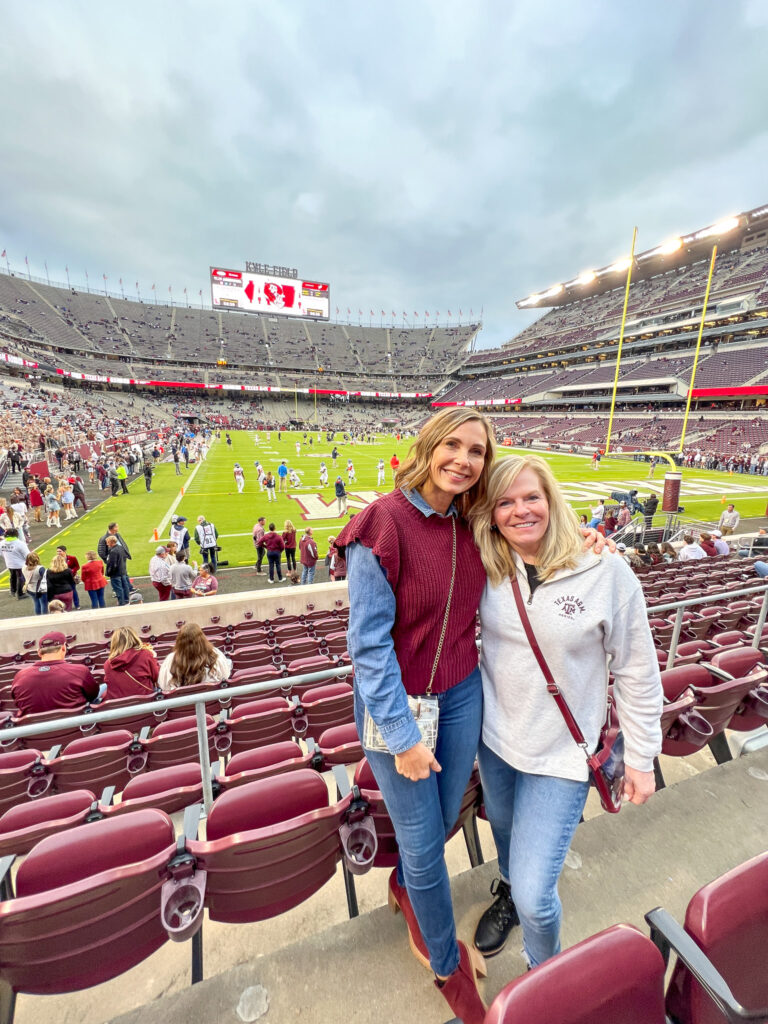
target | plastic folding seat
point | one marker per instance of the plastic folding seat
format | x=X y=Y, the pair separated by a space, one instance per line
x=728 y=617
x=7 y=703
x=253 y=657
x=93 y=762
x=692 y=651
x=299 y=647
x=65 y=734
x=340 y=745
x=259 y=674
x=616 y=976
x=212 y=706
x=749 y=664
x=695 y=626
x=662 y=657
x=683 y=730
x=291 y=631
x=661 y=630
x=260 y=722
x=261 y=763
x=175 y=742
x=324 y=624
x=729 y=638
x=303 y=666
x=166 y=789
x=25 y=825
x=717 y=696
x=270 y=845
x=336 y=644
x=87 y=907
x=748 y=612
x=322 y=707
x=720 y=974
x=148 y=713
x=16 y=772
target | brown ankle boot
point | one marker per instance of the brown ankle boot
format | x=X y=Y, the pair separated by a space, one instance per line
x=460 y=990
x=398 y=901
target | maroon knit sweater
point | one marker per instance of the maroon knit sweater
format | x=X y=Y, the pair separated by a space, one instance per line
x=415 y=552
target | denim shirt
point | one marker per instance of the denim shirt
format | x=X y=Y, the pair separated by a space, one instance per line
x=372 y=609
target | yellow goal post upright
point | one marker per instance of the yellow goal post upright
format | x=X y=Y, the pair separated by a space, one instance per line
x=621 y=338
x=698 y=347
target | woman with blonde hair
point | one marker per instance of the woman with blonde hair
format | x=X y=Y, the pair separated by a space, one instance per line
x=412 y=633
x=192 y=661
x=61 y=581
x=131 y=668
x=289 y=539
x=587 y=616
x=52 y=507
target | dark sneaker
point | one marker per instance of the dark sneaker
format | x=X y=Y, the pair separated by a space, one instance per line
x=497 y=922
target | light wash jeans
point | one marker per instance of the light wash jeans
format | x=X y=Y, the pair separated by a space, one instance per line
x=307 y=574
x=533 y=818
x=424 y=812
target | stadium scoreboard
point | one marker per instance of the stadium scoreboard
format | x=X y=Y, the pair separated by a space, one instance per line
x=273 y=294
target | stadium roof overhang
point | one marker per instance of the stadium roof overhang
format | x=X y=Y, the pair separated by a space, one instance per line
x=728 y=234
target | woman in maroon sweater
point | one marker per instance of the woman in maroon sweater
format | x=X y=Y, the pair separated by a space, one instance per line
x=412 y=632
x=131 y=670
x=275 y=546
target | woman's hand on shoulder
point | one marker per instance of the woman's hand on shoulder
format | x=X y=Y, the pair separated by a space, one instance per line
x=416 y=763
x=596 y=541
x=638 y=786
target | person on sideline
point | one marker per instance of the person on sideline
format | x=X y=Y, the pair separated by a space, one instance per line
x=206 y=537
x=729 y=520
x=37 y=584
x=160 y=573
x=308 y=556
x=61 y=581
x=94 y=580
x=205 y=583
x=182 y=577
x=289 y=540
x=583 y=613
x=116 y=570
x=193 y=660
x=14 y=551
x=131 y=668
x=275 y=546
x=269 y=484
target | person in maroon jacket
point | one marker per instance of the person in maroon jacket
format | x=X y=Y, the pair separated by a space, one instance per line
x=131 y=670
x=308 y=556
x=36 y=502
x=274 y=545
x=52 y=682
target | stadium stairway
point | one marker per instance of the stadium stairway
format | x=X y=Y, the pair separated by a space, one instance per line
x=361 y=971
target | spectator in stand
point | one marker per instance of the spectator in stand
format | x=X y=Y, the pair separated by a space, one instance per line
x=258 y=542
x=37 y=583
x=308 y=556
x=729 y=520
x=182 y=577
x=192 y=661
x=337 y=563
x=690 y=551
x=35 y=502
x=74 y=565
x=761 y=568
x=94 y=580
x=758 y=546
x=51 y=682
x=649 y=509
x=14 y=551
x=160 y=573
x=668 y=552
x=341 y=496
x=131 y=668
x=610 y=523
x=598 y=514
x=205 y=583
x=654 y=554
x=721 y=546
x=707 y=544
x=289 y=540
x=624 y=516
x=116 y=570
x=275 y=545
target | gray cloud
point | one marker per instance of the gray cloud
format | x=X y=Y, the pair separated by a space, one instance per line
x=418 y=156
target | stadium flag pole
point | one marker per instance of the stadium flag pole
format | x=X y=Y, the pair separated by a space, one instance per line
x=621 y=339
x=698 y=346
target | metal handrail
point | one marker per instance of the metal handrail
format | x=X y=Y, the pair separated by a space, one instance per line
x=198 y=700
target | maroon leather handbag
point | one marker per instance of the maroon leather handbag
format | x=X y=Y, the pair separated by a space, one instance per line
x=606 y=765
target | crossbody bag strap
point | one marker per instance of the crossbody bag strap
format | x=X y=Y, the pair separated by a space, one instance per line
x=552 y=687
x=447 y=611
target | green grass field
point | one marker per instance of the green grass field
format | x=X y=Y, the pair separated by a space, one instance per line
x=210 y=489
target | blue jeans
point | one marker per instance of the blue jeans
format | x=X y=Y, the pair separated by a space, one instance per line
x=761 y=568
x=273 y=558
x=307 y=574
x=424 y=812
x=533 y=818
x=97 y=598
x=75 y=597
x=122 y=588
x=41 y=603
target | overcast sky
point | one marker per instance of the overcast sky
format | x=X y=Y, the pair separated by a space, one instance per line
x=420 y=156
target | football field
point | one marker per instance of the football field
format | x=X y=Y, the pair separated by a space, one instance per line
x=209 y=489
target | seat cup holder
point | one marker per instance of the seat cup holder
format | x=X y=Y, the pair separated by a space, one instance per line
x=757 y=701
x=222 y=740
x=359 y=843
x=136 y=761
x=300 y=724
x=40 y=781
x=694 y=728
x=182 y=906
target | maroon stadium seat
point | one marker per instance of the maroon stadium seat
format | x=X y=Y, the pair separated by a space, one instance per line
x=340 y=745
x=260 y=763
x=18 y=770
x=26 y=824
x=93 y=762
x=750 y=664
x=326 y=706
x=260 y=722
x=614 y=977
